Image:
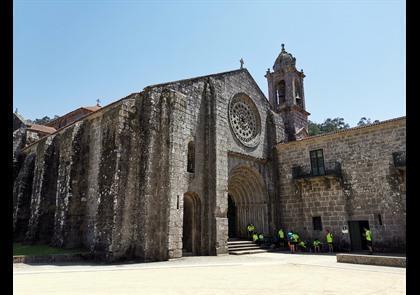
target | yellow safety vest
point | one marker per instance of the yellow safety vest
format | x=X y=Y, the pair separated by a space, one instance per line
x=329 y=238
x=281 y=234
x=368 y=235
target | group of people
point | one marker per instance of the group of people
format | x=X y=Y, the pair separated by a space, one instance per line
x=256 y=237
x=295 y=243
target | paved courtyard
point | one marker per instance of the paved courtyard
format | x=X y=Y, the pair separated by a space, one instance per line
x=265 y=273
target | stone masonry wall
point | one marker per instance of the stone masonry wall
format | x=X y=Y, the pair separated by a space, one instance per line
x=115 y=181
x=199 y=114
x=369 y=185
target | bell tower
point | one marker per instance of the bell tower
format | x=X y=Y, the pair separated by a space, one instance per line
x=286 y=96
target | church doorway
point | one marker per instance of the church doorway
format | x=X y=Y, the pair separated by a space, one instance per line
x=191 y=233
x=231 y=215
x=248 y=195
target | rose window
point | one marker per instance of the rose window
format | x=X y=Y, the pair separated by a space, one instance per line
x=244 y=120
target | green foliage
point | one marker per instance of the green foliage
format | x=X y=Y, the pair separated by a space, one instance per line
x=40 y=250
x=313 y=128
x=44 y=120
x=335 y=124
x=329 y=125
x=366 y=121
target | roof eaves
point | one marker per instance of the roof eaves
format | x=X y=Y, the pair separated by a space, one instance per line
x=195 y=78
x=345 y=130
x=84 y=117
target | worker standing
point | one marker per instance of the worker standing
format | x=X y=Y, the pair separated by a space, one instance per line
x=290 y=241
x=251 y=229
x=330 y=239
x=281 y=237
x=368 y=236
x=295 y=241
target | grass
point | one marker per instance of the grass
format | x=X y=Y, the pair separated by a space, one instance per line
x=42 y=250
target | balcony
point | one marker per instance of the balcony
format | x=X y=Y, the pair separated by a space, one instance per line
x=331 y=169
x=399 y=159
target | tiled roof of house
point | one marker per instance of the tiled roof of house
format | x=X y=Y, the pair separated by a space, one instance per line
x=89 y=108
x=92 y=108
x=41 y=128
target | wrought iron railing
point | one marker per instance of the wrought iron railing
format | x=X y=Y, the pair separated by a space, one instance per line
x=305 y=171
x=399 y=159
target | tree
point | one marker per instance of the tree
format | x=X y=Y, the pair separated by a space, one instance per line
x=335 y=124
x=313 y=128
x=366 y=121
x=329 y=125
x=44 y=120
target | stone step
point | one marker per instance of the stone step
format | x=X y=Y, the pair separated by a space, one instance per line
x=243 y=252
x=251 y=247
x=240 y=242
x=241 y=245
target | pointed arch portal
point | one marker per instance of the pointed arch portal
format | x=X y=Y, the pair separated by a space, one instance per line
x=191 y=234
x=248 y=198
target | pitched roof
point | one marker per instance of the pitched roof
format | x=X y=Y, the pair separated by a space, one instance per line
x=196 y=78
x=41 y=128
x=89 y=108
x=92 y=108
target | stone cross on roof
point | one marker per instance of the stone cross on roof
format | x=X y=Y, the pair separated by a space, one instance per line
x=242 y=63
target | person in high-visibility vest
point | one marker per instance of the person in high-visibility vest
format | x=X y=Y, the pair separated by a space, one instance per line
x=281 y=237
x=302 y=245
x=254 y=237
x=295 y=241
x=251 y=230
x=317 y=244
x=330 y=240
x=260 y=238
x=290 y=241
x=368 y=237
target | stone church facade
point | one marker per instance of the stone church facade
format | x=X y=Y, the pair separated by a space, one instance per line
x=183 y=166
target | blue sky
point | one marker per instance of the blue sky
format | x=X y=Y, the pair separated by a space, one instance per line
x=67 y=54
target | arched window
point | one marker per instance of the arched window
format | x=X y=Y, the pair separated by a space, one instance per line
x=281 y=92
x=191 y=158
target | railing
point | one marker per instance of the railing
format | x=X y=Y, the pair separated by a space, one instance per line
x=330 y=168
x=399 y=159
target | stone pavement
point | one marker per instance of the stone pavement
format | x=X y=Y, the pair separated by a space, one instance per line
x=265 y=273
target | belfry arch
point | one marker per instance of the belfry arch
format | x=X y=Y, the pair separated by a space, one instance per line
x=247 y=190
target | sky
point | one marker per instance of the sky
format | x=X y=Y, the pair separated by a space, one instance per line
x=68 y=54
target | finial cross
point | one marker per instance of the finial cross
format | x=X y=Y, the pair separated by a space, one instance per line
x=97 y=102
x=242 y=63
